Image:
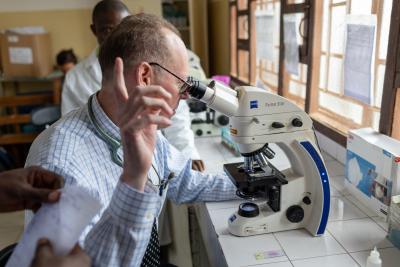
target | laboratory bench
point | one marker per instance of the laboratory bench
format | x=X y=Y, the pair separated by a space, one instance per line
x=352 y=231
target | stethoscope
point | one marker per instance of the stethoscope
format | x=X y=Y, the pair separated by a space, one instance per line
x=115 y=144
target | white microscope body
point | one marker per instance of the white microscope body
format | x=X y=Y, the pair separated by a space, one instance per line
x=297 y=197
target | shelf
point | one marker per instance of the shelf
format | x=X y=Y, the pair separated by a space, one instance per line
x=52 y=76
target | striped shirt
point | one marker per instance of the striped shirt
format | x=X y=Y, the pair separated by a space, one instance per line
x=119 y=234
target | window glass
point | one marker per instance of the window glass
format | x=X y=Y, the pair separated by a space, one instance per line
x=336 y=106
x=267 y=19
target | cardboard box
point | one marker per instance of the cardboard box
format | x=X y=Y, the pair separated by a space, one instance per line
x=373 y=168
x=26 y=55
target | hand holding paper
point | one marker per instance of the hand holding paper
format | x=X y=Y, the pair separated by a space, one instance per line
x=61 y=223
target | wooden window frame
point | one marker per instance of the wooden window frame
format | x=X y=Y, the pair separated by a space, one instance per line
x=392 y=75
x=391 y=88
x=248 y=44
x=304 y=49
x=261 y=64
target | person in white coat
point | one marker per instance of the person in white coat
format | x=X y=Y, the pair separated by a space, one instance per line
x=85 y=79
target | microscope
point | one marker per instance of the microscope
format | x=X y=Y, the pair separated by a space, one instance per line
x=297 y=197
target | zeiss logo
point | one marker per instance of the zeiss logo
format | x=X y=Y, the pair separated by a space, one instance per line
x=253 y=104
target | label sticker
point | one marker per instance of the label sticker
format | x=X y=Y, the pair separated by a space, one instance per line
x=262 y=255
x=20 y=55
x=13 y=39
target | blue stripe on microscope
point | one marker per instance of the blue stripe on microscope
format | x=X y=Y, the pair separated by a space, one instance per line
x=325 y=184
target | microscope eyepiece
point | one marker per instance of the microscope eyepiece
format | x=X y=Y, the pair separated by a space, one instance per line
x=216 y=95
x=197 y=88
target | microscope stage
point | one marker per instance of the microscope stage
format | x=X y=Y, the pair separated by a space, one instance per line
x=256 y=181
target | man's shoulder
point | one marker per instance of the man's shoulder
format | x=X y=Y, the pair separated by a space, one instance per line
x=76 y=72
x=59 y=143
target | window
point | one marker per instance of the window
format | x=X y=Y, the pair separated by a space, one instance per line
x=242 y=29
x=338 y=106
x=294 y=50
x=327 y=36
x=267 y=17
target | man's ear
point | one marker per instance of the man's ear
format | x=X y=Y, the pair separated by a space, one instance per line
x=93 y=29
x=144 y=74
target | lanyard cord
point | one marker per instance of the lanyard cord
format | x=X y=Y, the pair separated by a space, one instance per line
x=113 y=143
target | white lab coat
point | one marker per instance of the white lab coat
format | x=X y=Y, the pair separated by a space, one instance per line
x=85 y=79
x=80 y=83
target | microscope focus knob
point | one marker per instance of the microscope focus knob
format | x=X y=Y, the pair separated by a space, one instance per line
x=306 y=200
x=296 y=122
x=277 y=125
x=295 y=214
x=223 y=120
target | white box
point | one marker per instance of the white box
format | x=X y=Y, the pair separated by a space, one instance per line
x=373 y=168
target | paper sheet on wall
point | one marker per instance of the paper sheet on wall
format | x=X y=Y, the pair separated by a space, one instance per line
x=291 y=44
x=62 y=223
x=358 y=61
x=20 y=55
x=265 y=35
x=27 y=30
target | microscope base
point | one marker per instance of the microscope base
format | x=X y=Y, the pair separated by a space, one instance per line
x=294 y=212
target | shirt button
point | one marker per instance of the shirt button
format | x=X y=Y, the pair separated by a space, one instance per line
x=149 y=216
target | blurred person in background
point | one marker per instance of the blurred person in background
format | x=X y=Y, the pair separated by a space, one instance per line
x=66 y=60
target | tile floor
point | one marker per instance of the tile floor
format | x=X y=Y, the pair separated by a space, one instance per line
x=353 y=230
x=11 y=228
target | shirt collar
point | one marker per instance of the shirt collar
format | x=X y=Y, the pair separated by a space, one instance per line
x=104 y=121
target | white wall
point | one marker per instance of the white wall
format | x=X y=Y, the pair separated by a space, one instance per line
x=148 y=6
x=35 y=5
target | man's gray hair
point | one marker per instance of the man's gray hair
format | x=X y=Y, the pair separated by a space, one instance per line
x=137 y=38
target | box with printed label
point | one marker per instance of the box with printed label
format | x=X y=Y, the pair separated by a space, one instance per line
x=25 y=55
x=373 y=168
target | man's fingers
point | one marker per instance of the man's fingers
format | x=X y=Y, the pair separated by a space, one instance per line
x=44 y=250
x=140 y=109
x=154 y=91
x=119 y=80
x=45 y=179
x=76 y=250
x=54 y=196
x=144 y=120
x=79 y=257
x=34 y=195
x=160 y=121
x=201 y=163
x=198 y=165
x=147 y=103
x=155 y=104
x=146 y=98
